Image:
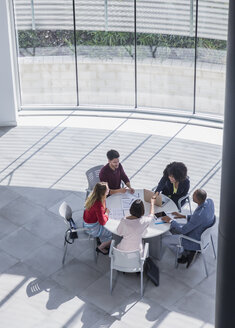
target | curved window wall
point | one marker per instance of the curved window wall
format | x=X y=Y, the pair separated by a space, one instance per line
x=123 y=53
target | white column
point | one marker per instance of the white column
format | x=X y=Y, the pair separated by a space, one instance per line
x=8 y=100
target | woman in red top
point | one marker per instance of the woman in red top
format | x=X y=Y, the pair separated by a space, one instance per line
x=96 y=215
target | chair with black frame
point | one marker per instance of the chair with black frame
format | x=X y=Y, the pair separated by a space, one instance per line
x=73 y=232
x=204 y=243
x=92 y=177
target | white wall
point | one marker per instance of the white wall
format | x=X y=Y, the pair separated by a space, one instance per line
x=8 y=103
x=51 y=80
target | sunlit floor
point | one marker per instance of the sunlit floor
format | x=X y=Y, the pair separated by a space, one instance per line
x=43 y=162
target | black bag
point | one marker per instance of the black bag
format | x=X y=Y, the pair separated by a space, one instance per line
x=71 y=233
x=152 y=271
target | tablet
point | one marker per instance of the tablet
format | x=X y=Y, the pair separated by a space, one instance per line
x=160 y=214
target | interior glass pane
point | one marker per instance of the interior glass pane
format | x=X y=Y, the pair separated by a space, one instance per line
x=211 y=56
x=105 y=52
x=46 y=51
x=165 y=53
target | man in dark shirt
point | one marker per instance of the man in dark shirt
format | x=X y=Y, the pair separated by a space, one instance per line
x=113 y=174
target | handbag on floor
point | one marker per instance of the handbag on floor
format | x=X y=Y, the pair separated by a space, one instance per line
x=152 y=271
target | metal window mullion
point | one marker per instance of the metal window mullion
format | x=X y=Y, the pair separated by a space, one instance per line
x=195 y=61
x=33 y=15
x=135 y=45
x=75 y=50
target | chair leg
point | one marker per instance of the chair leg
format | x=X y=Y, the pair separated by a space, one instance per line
x=141 y=283
x=205 y=264
x=111 y=281
x=65 y=252
x=190 y=208
x=94 y=249
x=176 y=258
x=213 y=247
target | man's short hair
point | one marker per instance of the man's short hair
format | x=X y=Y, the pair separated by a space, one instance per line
x=111 y=154
x=137 y=208
x=201 y=195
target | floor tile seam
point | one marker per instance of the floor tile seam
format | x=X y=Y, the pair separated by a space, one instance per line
x=171 y=277
x=37 y=205
x=45 y=240
x=106 y=276
x=159 y=150
x=6 y=252
x=113 y=308
x=180 y=280
x=211 y=172
x=123 y=284
x=172 y=307
x=75 y=191
x=31 y=156
x=107 y=316
x=169 y=306
x=203 y=293
x=136 y=148
x=6 y=205
x=8 y=189
x=148 y=298
x=47 y=134
x=87 y=154
x=11 y=266
x=91 y=266
x=64 y=266
x=141 y=299
x=31 y=233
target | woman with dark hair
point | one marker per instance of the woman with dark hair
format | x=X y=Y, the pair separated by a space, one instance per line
x=132 y=227
x=175 y=182
x=96 y=215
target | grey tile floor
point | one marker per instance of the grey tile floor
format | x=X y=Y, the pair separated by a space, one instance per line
x=43 y=162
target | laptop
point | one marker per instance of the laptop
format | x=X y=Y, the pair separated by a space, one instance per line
x=148 y=194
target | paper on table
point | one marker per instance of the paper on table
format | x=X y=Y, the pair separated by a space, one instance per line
x=136 y=195
x=126 y=203
x=116 y=214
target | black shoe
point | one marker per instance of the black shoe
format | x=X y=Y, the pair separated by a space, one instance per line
x=100 y=251
x=98 y=241
x=182 y=259
x=191 y=257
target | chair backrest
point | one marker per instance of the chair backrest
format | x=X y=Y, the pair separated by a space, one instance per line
x=65 y=211
x=205 y=236
x=125 y=261
x=93 y=176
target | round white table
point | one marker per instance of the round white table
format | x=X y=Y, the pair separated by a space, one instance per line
x=119 y=205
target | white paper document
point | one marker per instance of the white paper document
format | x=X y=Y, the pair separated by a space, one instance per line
x=116 y=214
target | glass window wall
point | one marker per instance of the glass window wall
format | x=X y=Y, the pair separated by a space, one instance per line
x=46 y=52
x=105 y=52
x=211 y=56
x=138 y=54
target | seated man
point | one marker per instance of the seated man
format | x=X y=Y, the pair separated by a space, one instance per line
x=113 y=174
x=202 y=218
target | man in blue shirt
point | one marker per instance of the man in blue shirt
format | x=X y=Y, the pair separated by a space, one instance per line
x=200 y=220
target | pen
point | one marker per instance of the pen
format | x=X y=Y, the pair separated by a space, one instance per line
x=160 y=222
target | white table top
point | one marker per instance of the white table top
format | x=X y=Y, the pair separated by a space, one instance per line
x=118 y=204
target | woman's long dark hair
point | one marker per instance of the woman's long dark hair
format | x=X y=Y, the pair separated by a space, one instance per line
x=177 y=169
